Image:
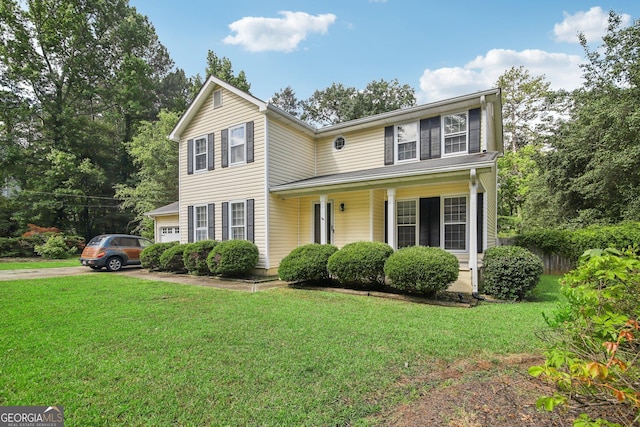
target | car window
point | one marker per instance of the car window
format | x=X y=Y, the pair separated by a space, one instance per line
x=144 y=243
x=115 y=242
x=96 y=241
x=128 y=241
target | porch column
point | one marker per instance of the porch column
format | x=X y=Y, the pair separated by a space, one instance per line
x=391 y=217
x=323 y=218
x=473 y=229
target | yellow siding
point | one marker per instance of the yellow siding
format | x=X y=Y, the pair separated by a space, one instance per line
x=488 y=182
x=291 y=154
x=363 y=150
x=377 y=201
x=460 y=187
x=354 y=223
x=165 y=221
x=248 y=179
x=284 y=228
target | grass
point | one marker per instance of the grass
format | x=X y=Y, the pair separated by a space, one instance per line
x=122 y=351
x=27 y=263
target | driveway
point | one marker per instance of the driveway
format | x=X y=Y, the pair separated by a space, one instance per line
x=213 y=282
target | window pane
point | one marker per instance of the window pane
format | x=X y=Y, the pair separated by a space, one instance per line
x=406 y=236
x=237 y=154
x=406 y=216
x=455 y=144
x=455 y=123
x=406 y=139
x=200 y=146
x=237 y=135
x=237 y=214
x=200 y=152
x=455 y=236
x=201 y=235
x=407 y=151
x=237 y=233
x=201 y=216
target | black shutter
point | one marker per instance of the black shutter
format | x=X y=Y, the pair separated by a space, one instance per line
x=386 y=221
x=190 y=156
x=211 y=220
x=225 y=221
x=190 y=224
x=210 y=156
x=480 y=222
x=388 y=145
x=224 y=140
x=434 y=135
x=251 y=233
x=425 y=140
x=316 y=223
x=474 y=131
x=249 y=135
x=430 y=221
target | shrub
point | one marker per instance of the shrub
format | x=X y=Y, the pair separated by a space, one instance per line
x=422 y=269
x=172 y=259
x=306 y=263
x=233 y=258
x=56 y=248
x=510 y=272
x=9 y=247
x=195 y=257
x=360 y=263
x=150 y=256
x=593 y=346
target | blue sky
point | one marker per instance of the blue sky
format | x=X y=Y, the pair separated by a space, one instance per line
x=442 y=49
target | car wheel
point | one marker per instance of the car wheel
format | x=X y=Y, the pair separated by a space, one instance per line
x=114 y=263
x=95 y=267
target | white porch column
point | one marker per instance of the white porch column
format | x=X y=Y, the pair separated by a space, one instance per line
x=473 y=229
x=323 y=218
x=391 y=217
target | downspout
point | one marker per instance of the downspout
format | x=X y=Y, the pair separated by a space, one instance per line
x=473 y=230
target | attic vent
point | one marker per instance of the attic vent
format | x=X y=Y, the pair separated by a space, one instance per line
x=217 y=98
x=339 y=143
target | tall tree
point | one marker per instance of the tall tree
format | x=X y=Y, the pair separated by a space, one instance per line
x=593 y=167
x=222 y=68
x=287 y=101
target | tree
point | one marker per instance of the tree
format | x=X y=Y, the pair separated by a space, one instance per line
x=339 y=103
x=287 y=101
x=593 y=166
x=222 y=68
x=156 y=158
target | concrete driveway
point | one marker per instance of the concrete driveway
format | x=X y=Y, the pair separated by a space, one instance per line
x=214 y=282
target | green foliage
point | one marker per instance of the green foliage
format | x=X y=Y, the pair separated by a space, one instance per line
x=360 y=263
x=233 y=258
x=172 y=259
x=222 y=68
x=595 y=338
x=55 y=248
x=150 y=256
x=510 y=272
x=306 y=263
x=421 y=269
x=195 y=257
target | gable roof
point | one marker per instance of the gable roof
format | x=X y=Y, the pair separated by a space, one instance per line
x=170 y=209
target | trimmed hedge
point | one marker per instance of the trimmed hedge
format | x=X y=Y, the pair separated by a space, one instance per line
x=150 y=256
x=172 y=259
x=195 y=257
x=233 y=258
x=510 y=272
x=360 y=263
x=422 y=269
x=307 y=263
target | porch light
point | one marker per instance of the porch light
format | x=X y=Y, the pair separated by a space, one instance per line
x=341 y=207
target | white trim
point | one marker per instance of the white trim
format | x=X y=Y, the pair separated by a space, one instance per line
x=206 y=154
x=416 y=224
x=391 y=218
x=444 y=136
x=395 y=142
x=330 y=238
x=244 y=145
x=195 y=222
x=371 y=212
x=230 y=218
x=343 y=145
x=443 y=224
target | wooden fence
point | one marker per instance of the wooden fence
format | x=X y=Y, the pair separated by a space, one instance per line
x=553 y=263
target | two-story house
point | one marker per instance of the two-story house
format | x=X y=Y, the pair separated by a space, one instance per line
x=425 y=175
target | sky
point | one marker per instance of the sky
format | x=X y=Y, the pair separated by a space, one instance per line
x=442 y=49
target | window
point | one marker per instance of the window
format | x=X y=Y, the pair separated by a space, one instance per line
x=455 y=133
x=238 y=220
x=339 y=143
x=217 y=98
x=406 y=141
x=200 y=153
x=406 y=217
x=201 y=223
x=169 y=230
x=237 y=145
x=455 y=223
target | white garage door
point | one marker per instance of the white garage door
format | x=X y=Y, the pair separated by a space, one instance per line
x=169 y=234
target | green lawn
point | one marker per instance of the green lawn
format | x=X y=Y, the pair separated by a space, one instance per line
x=25 y=263
x=119 y=351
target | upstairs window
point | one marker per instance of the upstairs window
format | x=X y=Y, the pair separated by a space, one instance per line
x=237 y=145
x=455 y=133
x=217 y=98
x=200 y=153
x=406 y=136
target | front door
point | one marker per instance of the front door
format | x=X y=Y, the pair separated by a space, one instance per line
x=316 y=223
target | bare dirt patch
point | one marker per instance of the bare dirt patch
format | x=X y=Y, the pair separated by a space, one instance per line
x=481 y=394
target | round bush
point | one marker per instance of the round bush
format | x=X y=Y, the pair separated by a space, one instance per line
x=422 y=269
x=195 y=257
x=150 y=256
x=360 y=263
x=510 y=272
x=55 y=248
x=172 y=259
x=233 y=258
x=306 y=263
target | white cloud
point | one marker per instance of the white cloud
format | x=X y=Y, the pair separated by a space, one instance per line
x=259 y=34
x=561 y=70
x=593 y=24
